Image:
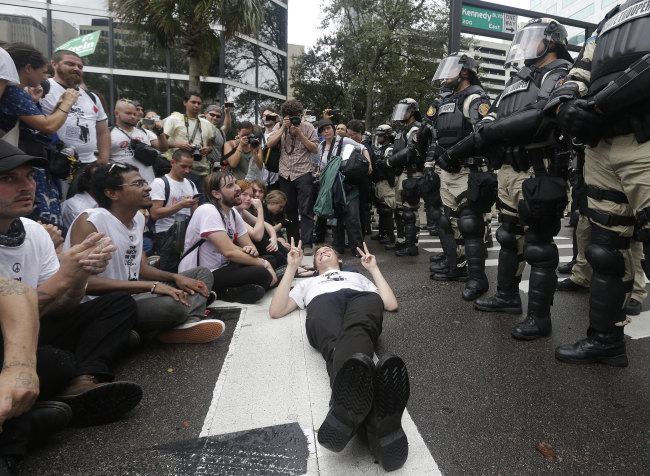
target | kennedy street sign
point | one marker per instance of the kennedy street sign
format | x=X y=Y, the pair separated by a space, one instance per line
x=83 y=45
x=492 y=20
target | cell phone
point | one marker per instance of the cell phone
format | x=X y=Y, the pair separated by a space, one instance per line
x=334 y=112
x=229 y=104
x=148 y=122
x=196 y=196
x=308 y=112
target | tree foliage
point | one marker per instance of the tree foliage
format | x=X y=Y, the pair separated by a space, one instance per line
x=380 y=52
x=188 y=25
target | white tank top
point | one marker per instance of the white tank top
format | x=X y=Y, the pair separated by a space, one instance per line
x=125 y=264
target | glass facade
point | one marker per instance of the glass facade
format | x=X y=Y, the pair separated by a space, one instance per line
x=249 y=71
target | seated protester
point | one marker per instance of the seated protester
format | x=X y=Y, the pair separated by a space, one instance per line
x=259 y=188
x=123 y=133
x=217 y=238
x=349 y=220
x=273 y=206
x=80 y=201
x=262 y=233
x=77 y=342
x=173 y=196
x=344 y=321
x=171 y=305
x=242 y=156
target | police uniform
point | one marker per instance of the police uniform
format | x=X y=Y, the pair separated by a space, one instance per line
x=383 y=178
x=617 y=169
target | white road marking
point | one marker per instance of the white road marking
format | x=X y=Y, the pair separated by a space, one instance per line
x=494 y=248
x=273 y=376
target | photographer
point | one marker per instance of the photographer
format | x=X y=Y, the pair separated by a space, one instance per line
x=123 y=136
x=153 y=125
x=298 y=141
x=244 y=155
x=193 y=134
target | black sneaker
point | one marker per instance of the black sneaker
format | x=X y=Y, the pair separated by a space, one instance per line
x=386 y=437
x=352 y=397
x=569 y=286
x=246 y=294
x=633 y=308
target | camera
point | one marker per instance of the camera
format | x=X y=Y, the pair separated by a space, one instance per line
x=334 y=112
x=253 y=140
x=229 y=104
x=271 y=117
x=196 y=152
x=295 y=121
x=143 y=153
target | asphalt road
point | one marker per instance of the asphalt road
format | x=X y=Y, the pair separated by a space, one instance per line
x=481 y=400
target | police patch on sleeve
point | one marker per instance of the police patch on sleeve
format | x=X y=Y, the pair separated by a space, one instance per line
x=559 y=83
x=431 y=112
x=483 y=109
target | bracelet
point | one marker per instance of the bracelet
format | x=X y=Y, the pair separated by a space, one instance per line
x=62 y=110
x=153 y=288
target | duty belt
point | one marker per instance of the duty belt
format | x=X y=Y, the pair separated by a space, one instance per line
x=608 y=219
x=601 y=194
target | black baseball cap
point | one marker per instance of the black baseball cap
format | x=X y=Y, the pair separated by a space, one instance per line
x=12 y=157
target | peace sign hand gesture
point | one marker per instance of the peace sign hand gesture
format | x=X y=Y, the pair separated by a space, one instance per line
x=368 y=260
x=294 y=257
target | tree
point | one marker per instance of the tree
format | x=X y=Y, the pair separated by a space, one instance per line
x=380 y=52
x=187 y=25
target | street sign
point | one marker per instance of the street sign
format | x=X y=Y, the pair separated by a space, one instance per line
x=491 y=20
x=83 y=45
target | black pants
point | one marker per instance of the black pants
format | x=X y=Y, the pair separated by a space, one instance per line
x=55 y=368
x=343 y=323
x=96 y=332
x=349 y=221
x=235 y=274
x=300 y=198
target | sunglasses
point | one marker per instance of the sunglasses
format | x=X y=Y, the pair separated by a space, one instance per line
x=116 y=164
x=214 y=115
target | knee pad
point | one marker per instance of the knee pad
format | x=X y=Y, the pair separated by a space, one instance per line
x=444 y=224
x=409 y=215
x=542 y=255
x=507 y=239
x=605 y=259
x=470 y=224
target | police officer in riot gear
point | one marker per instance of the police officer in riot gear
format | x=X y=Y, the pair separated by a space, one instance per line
x=405 y=157
x=462 y=226
x=383 y=178
x=604 y=103
x=521 y=137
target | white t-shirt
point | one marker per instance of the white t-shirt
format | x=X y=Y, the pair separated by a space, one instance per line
x=125 y=264
x=205 y=221
x=75 y=205
x=33 y=262
x=329 y=282
x=178 y=191
x=80 y=128
x=8 y=68
x=346 y=149
x=121 y=152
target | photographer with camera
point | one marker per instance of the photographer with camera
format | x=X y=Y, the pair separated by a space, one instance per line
x=194 y=134
x=131 y=144
x=298 y=141
x=152 y=123
x=244 y=155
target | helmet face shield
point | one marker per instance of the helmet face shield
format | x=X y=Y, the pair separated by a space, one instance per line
x=449 y=68
x=401 y=112
x=529 y=43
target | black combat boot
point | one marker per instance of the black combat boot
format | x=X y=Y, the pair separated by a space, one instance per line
x=477 y=284
x=540 y=298
x=450 y=272
x=386 y=216
x=605 y=342
x=433 y=229
x=507 y=297
x=410 y=236
x=436 y=257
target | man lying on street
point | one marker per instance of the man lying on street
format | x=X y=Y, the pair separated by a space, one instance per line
x=344 y=319
x=168 y=304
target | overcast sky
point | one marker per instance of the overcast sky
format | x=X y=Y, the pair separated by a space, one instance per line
x=304 y=19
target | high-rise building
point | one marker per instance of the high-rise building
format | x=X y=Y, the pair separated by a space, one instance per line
x=491 y=55
x=592 y=11
x=251 y=71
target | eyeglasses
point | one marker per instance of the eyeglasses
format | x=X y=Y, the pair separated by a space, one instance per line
x=137 y=184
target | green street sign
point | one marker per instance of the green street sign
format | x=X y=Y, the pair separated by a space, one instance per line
x=491 y=20
x=83 y=45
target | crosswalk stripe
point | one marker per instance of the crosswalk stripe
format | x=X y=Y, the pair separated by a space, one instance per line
x=494 y=248
x=437 y=240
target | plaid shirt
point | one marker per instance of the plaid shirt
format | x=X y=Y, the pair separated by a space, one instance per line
x=295 y=158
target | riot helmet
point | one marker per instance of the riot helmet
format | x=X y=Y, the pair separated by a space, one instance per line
x=405 y=109
x=532 y=42
x=384 y=131
x=449 y=71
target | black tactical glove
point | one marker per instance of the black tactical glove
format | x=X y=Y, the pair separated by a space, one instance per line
x=430 y=174
x=580 y=120
x=448 y=163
